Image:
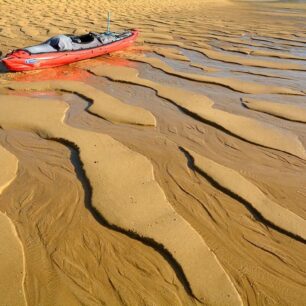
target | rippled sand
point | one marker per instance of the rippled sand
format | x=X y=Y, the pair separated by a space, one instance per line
x=172 y=173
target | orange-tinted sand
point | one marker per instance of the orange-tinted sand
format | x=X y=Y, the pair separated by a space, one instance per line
x=171 y=173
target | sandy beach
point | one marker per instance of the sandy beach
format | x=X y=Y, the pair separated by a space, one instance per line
x=169 y=173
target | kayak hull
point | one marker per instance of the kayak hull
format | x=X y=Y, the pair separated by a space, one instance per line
x=21 y=60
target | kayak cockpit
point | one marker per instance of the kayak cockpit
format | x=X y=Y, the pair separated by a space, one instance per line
x=70 y=42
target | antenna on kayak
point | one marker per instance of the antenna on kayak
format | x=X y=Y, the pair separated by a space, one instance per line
x=108 y=23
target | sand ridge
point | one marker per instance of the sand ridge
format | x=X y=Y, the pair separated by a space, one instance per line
x=237 y=184
x=201 y=106
x=286 y=111
x=194 y=134
x=244 y=87
x=234 y=59
x=101 y=257
x=103 y=105
x=12 y=257
x=148 y=215
x=9 y=167
x=12 y=263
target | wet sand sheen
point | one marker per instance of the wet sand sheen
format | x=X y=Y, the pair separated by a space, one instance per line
x=191 y=192
x=202 y=106
x=162 y=173
x=84 y=255
x=149 y=213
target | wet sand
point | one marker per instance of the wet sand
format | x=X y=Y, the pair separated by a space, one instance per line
x=171 y=173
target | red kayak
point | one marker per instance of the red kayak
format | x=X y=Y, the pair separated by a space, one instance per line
x=65 y=49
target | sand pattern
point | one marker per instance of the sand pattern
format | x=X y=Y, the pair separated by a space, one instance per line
x=12 y=264
x=103 y=104
x=55 y=234
x=238 y=185
x=282 y=110
x=148 y=215
x=240 y=86
x=202 y=106
x=11 y=255
x=171 y=173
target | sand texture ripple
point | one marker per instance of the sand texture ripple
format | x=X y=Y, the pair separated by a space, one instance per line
x=169 y=173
